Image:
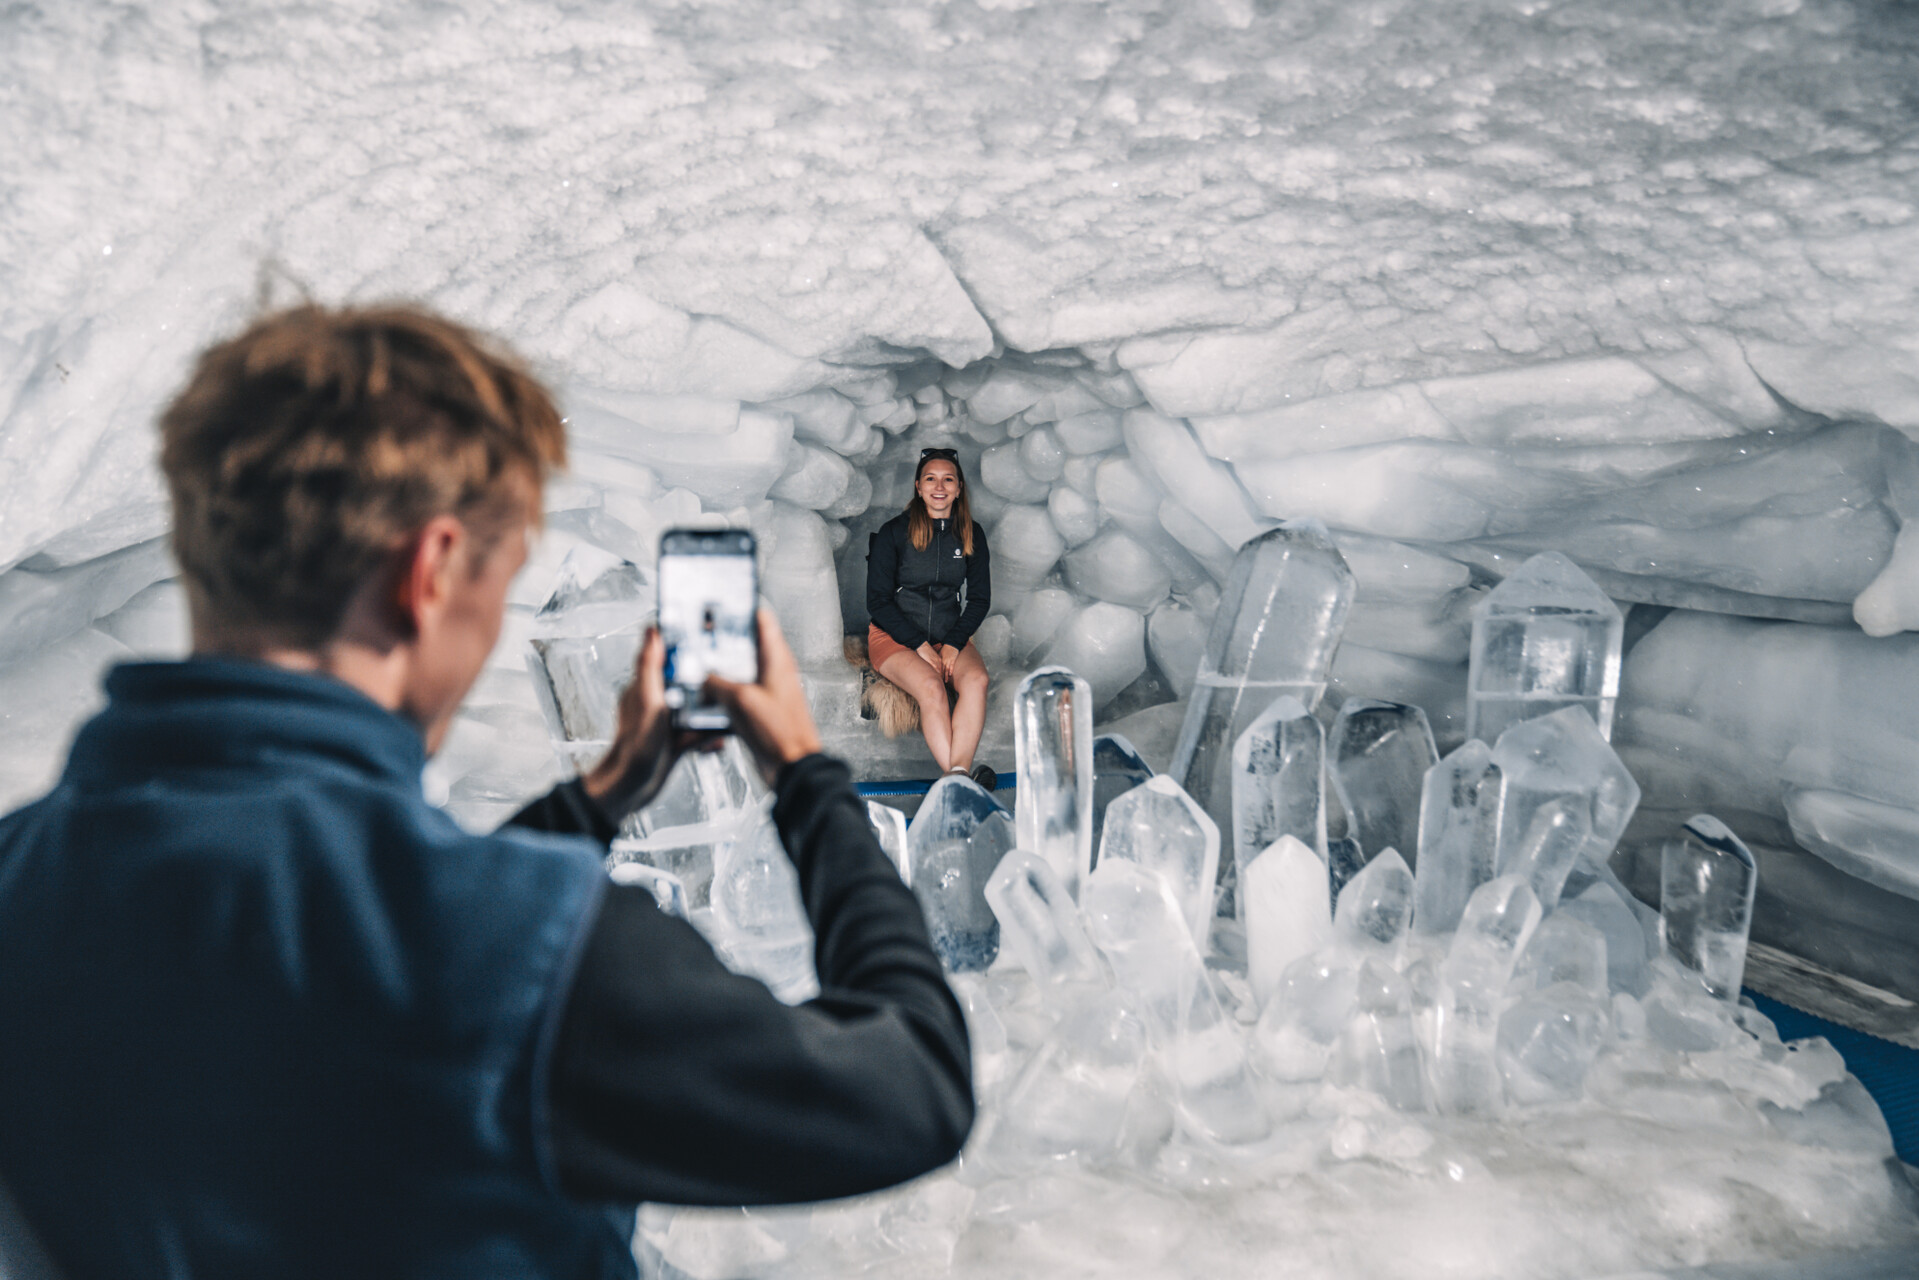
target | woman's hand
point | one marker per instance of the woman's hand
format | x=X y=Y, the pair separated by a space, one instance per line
x=930 y=655
x=646 y=746
x=949 y=661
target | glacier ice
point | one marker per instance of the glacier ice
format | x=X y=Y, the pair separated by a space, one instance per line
x=1459 y=811
x=1706 y=881
x=1279 y=622
x=1159 y=827
x=1039 y=921
x=1118 y=767
x=953 y=845
x=1545 y=638
x=1377 y=756
x=1286 y=900
x=1279 y=782
x=1053 y=741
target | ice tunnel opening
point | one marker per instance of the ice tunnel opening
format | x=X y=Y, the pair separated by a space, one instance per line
x=1112 y=525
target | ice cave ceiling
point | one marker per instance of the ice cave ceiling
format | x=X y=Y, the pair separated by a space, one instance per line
x=1464 y=280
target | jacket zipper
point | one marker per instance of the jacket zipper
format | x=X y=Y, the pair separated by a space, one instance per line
x=937 y=581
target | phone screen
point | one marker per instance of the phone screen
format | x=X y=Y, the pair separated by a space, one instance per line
x=708 y=591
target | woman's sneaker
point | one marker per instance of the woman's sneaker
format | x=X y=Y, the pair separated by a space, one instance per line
x=987 y=779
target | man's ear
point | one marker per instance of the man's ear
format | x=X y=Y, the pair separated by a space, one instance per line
x=426 y=567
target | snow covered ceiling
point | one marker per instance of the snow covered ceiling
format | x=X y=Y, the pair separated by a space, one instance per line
x=1338 y=217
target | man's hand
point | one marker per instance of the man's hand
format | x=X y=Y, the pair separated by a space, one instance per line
x=770 y=717
x=645 y=747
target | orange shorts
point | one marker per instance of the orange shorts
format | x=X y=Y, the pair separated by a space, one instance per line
x=880 y=646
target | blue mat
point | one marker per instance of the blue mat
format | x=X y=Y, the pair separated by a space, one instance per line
x=1889 y=1071
x=920 y=786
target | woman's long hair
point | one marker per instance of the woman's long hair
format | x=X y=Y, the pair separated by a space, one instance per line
x=919 y=521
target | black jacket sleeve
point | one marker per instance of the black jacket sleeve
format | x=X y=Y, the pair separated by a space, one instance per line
x=882 y=580
x=979 y=592
x=676 y=1081
x=567 y=810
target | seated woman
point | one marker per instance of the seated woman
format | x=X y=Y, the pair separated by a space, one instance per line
x=920 y=637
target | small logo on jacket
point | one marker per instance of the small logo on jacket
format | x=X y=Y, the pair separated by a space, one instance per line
x=958 y=554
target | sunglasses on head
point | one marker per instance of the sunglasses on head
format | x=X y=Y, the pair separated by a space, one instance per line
x=951 y=455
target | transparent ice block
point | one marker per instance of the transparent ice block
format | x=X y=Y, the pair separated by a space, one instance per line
x=1053 y=744
x=1288 y=906
x=761 y=927
x=1543 y=639
x=1118 y=767
x=1497 y=924
x=1279 y=785
x=1377 y=756
x=1375 y=908
x=584 y=641
x=1137 y=922
x=1458 y=835
x=1560 y=763
x=1039 y=921
x=1706 y=886
x=1279 y=621
x=953 y=846
x=1158 y=826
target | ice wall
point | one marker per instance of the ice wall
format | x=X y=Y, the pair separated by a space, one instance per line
x=1463 y=280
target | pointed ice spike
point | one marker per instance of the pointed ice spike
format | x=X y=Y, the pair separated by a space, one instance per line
x=1280 y=617
x=1279 y=785
x=584 y=642
x=1377 y=755
x=1039 y=922
x=761 y=927
x=1543 y=639
x=1495 y=927
x=1344 y=860
x=1118 y=767
x=1706 y=886
x=1545 y=853
x=1601 y=906
x=1288 y=905
x=1561 y=759
x=1134 y=918
x=1548 y=1040
x=1375 y=908
x=1132 y=915
x=1379 y=1047
x=1458 y=831
x=1157 y=826
x=953 y=845
x=1565 y=949
x=889 y=826
x=1053 y=744
x=1071 y=1097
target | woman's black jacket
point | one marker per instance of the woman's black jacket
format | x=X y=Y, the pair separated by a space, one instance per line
x=914 y=595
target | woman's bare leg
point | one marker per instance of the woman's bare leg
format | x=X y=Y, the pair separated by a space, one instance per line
x=923 y=684
x=969 y=713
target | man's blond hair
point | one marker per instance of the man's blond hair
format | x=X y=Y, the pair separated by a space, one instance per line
x=306 y=451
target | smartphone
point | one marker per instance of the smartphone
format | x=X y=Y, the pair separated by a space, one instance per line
x=708 y=591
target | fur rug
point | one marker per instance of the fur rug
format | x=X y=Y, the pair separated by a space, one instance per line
x=880 y=699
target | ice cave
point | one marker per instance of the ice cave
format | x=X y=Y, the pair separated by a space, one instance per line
x=1609 y=304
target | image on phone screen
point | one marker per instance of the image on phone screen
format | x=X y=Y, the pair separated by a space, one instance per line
x=708 y=591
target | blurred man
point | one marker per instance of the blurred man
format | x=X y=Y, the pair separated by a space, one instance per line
x=265 y=1012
